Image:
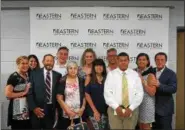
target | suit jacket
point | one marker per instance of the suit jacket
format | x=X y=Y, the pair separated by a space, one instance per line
x=164 y=105
x=37 y=92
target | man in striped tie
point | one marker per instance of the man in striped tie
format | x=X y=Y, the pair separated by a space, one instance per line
x=42 y=94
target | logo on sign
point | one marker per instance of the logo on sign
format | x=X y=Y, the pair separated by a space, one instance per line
x=100 y=32
x=103 y=58
x=108 y=16
x=133 y=59
x=149 y=45
x=59 y=31
x=74 y=58
x=118 y=45
x=48 y=16
x=83 y=16
x=82 y=45
x=48 y=44
x=133 y=32
x=149 y=16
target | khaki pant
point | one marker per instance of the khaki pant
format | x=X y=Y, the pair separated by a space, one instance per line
x=117 y=122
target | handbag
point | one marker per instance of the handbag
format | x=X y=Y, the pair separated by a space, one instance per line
x=80 y=126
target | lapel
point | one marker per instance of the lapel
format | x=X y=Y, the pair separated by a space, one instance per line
x=163 y=74
x=54 y=78
x=80 y=88
x=42 y=80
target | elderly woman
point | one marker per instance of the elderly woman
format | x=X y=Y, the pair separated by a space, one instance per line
x=71 y=97
x=16 y=91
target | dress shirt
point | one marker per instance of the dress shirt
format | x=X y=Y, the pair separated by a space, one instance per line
x=158 y=73
x=113 y=88
x=51 y=76
x=62 y=69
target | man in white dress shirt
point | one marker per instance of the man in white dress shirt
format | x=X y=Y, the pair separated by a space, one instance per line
x=123 y=93
x=62 y=56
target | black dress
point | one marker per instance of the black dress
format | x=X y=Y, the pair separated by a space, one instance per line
x=18 y=113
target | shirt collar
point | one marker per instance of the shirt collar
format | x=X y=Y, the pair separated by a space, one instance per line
x=61 y=66
x=45 y=71
x=160 y=70
x=121 y=72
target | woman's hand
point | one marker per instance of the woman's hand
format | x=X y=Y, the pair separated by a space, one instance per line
x=80 y=112
x=71 y=113
x=97 y=116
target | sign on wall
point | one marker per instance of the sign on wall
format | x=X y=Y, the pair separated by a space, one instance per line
x=128 y=29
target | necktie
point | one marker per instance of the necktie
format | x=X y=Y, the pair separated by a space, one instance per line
x=125 y=97
x=48 y=87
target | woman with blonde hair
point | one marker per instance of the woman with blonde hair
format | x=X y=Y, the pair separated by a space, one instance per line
x=16 y=91
x=87 y=59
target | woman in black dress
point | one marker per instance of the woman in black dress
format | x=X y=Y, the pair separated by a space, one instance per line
x=97 y=108
x=16 y=91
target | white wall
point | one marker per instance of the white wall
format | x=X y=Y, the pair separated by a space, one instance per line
x=15 y=32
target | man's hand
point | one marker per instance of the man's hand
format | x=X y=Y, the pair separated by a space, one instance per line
x=119 y=112
x=155 y=83
x=127 y=112
x=39 y=112
x=27 y=88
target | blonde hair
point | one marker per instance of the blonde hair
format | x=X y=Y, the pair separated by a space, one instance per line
x=21 y=58
x=83 y=55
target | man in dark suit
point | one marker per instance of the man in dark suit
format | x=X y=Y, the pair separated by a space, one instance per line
x=42 y=94
x=166 y=86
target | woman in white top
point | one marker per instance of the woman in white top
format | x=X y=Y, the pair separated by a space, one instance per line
x=147 y=107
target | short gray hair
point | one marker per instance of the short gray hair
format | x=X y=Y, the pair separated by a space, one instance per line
x=71 y=63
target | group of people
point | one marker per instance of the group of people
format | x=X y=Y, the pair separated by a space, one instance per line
x=105 y=97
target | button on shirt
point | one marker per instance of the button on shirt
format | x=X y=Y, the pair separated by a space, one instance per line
x=51 y=76
x=60 y=68
x=113 y=88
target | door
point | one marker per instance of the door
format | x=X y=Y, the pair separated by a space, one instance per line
x=180 y=83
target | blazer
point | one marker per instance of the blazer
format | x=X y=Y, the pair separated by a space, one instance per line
x=164 y=103
x=37 y=92
x=61 y=89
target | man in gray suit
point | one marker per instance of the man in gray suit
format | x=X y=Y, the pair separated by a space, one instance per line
x=42 y=94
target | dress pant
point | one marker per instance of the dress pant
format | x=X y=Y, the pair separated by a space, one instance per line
x=46 y=122
x=64 y=123
x=20 y=125
x=162 y=122
x=117 y=122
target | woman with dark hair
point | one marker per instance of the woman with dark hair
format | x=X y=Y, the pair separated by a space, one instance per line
x=33 y=63
x=97 y=108
x=147 y=107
